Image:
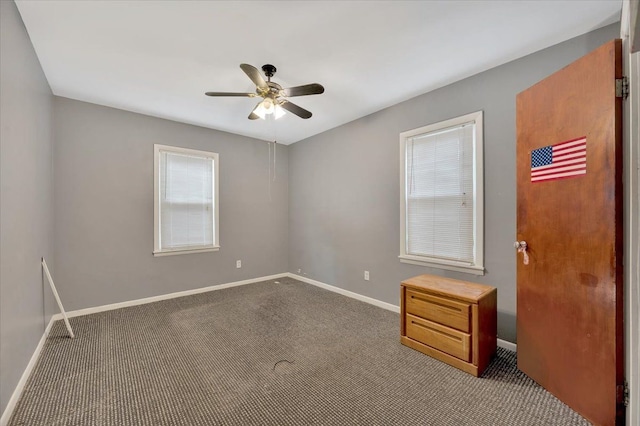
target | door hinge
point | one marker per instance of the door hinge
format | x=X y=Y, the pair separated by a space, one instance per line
x=622 y=392
x=622 y=87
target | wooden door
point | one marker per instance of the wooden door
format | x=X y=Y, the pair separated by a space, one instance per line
x=569 y=173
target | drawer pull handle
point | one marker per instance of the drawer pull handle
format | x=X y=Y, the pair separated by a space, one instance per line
x=437 y=331
x=453 y=308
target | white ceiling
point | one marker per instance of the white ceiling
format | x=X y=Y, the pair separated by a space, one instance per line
x=159 y=57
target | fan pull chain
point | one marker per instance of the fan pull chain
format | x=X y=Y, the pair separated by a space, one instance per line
x=275 y=138
x=269 y=168
x=272 y=175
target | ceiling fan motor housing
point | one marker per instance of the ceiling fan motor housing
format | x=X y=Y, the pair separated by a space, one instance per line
x=269 y=70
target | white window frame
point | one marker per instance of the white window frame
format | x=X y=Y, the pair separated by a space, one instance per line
x=157 y=251
x=476 y=267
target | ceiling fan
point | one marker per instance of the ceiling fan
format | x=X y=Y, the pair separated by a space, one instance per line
x=274 y=97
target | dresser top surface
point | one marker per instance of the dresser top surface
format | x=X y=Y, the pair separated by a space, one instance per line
x=471 y=292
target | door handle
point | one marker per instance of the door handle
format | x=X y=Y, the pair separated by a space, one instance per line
x=521 y=246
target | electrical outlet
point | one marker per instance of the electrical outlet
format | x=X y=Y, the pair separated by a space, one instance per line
x=366 y=275
x=299 y=270
x=238 y=264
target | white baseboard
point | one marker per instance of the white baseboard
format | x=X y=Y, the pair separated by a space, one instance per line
x=388 y=306
x=366 y=299
x=384 y=305
x=507 y=345
x=4 y=420
x=152 y=299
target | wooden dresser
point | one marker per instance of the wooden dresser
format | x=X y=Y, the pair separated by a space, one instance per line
x=451 y=320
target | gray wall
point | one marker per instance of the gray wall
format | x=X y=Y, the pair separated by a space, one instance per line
x=344 y=183
x=104 y=207
x=26 y=190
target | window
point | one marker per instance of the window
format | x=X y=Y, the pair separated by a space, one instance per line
x=185 y=201
x=441 y=188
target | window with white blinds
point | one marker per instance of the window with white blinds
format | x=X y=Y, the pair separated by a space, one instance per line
x=441 y=186
x=186 y=200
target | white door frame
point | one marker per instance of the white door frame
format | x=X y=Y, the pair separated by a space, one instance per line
x=631 y=141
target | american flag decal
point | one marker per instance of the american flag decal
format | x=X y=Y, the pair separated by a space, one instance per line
x=559 y=161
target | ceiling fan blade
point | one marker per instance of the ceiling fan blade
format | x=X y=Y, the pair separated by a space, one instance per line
x=295 y=109
x=255 y=76
x=250 y=95
x=253 y=115
x=307 y=89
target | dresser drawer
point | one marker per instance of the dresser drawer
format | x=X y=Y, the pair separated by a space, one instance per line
x=444 y=311
x=445 y=339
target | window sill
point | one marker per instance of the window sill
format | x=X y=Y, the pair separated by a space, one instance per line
x=185 y=251
x=442 y=264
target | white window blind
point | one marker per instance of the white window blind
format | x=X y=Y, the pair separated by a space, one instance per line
x=440 y=212
x=440 y=194
x=185 y=200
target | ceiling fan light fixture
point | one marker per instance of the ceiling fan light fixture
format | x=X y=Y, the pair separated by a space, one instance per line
x=268 y=107
x=264 y=108
x=260 y=111
x=279 y=111
x=267 y=104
